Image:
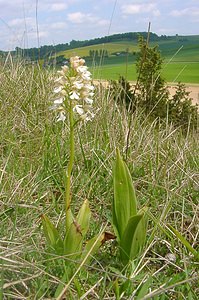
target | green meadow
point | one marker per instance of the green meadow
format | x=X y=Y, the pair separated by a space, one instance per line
x=110 y=47
x=34 y=149
x=185 y=72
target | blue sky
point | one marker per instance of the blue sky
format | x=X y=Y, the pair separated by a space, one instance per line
x=63 y=20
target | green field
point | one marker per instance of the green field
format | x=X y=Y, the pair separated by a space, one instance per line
x=181 y=56
x=172 y=72
x=110 y=47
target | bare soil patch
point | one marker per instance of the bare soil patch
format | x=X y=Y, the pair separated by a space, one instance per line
x=193 y=89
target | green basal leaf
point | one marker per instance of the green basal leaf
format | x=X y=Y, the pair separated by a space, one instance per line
x=141 y=230
x=52 y=235
x=144 y=289
x=129 y=243
x=83 y=217
x=73 y=241
x=69 y=219
x=92 y=247
x=124 y=202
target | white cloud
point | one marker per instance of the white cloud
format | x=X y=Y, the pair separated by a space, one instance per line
x=103 y=22
x=42 y=34
x=189 y=11
x=78 y=17
x=140 y=8
x=131 y=9
x=156 y=13
x=58 y=6
x=21 y=21
x=81 y=18
x=59 y=25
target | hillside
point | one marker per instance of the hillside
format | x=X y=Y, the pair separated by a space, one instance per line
x=109 y=60
x=188 y=49
x=115 y=55
x=113 y=44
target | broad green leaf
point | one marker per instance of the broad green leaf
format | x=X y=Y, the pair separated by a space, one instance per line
x=144 y=289
x=124 y=202
x=52 y=235
x=139 y=237
x=129 y=243
x=69 y=219
x=83 y=217
x=115 y=223
x=73 y=241
x=141 y=230
x=185 y=243
x=92 y=247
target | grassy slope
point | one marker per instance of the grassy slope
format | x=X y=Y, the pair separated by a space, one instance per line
x=173 y=72
x=110 y=47
x=34 y=154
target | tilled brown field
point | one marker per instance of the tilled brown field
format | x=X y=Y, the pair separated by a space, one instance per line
x=193 y=89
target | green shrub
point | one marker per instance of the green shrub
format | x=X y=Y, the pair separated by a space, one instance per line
x=151 y=95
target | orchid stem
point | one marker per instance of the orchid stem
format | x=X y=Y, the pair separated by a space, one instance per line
x=71 y=159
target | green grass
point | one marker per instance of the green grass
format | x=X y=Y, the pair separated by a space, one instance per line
x=164 y=166
x=172 y=72
x=110 y=47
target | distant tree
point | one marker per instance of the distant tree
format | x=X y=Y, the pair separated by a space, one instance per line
x=96 y=54
x=153 y=92
x=181 y=111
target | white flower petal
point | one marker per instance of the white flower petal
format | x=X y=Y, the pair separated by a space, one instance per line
x=86 y=76
x=59 y=101
x=78 y=84
x=89 y=87
x=89 y=101
x=74 y=96
x=79 y=109
x=61 y=117
x=57 y=89
x=82 y=69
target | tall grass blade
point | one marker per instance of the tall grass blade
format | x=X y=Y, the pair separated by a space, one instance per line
x=185 y=243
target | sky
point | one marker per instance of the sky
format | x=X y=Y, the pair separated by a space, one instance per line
x=33 y=23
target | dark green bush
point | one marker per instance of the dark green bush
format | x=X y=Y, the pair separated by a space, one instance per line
x=151 y=95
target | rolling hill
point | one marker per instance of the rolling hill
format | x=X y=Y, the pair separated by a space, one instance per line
x=180 y=54
x=116 y=55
